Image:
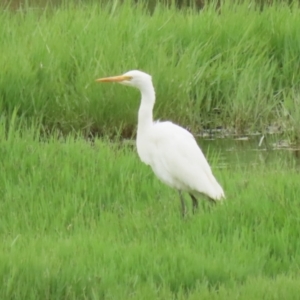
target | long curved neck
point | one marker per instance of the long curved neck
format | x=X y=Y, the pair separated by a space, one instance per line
x=145 y=116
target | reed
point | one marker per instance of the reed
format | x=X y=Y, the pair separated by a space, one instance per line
x=236 y=67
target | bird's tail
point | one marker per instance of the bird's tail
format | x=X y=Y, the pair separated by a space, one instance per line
x=216 y=193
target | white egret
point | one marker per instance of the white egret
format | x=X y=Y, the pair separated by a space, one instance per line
x=171 y=151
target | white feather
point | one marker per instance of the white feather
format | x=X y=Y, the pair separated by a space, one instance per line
x=175 y=158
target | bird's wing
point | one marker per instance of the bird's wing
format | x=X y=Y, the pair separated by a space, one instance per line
x=177 y=159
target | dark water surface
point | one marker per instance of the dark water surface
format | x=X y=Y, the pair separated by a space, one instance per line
x=251 y=150
x=246 y=151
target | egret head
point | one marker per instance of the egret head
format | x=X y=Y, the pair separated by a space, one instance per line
x=133 y=78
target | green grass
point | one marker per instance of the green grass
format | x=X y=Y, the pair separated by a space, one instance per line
x=237 y=69
x=86 y=220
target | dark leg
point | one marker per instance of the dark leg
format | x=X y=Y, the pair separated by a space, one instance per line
x=182 y=204
x=195 y=202
x=211 y=200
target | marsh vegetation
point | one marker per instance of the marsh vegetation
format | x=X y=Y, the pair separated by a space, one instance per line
x=82 y=217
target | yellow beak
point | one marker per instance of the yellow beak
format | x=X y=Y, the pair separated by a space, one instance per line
x=114 y=79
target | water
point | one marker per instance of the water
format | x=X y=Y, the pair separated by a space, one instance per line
x=251 y=150
x=247 y=151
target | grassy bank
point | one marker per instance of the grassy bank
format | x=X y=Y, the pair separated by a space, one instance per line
x=237 y=69
x=82 y=221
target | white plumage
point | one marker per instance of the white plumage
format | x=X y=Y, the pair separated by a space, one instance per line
x=170 y=150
